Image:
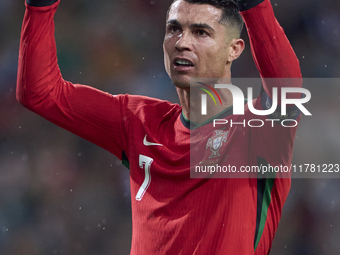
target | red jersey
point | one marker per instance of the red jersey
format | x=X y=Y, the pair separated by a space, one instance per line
x=171 y=212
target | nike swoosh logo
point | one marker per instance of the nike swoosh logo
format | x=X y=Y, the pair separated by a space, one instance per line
x=146 y=143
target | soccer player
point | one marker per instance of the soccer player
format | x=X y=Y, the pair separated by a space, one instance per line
x=171 y=212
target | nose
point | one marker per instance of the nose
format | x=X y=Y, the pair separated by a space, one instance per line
x=183 y=42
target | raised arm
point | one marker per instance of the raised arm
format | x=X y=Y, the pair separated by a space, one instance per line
x=272 y=52
x=85 y=111
x=273 y=55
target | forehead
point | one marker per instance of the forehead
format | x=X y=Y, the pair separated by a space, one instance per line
x=185 y=12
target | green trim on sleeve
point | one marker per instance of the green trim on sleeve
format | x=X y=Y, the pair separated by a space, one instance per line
x=125 y=160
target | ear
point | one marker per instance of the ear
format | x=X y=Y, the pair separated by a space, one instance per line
x=236 y=48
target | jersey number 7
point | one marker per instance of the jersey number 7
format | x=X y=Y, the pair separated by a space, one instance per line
x=144 y=162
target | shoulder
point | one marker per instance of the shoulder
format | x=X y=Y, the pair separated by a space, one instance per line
x=148 y=105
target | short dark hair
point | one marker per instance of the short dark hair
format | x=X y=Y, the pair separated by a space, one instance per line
x=230 y=12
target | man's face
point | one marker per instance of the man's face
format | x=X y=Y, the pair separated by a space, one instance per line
x=196 y=45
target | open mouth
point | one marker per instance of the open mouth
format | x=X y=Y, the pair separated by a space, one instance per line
x=183 y=62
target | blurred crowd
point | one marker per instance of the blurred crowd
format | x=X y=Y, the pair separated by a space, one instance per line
x=60 y=194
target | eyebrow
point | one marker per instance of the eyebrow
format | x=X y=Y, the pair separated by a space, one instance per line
x=202 y=25
x=195 y=25
x=174 y=22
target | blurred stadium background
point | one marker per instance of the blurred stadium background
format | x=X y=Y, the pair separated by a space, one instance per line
x=62 y=195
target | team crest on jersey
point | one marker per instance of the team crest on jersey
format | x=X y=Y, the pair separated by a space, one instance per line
x=215 y=143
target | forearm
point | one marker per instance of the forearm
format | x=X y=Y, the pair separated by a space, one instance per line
x=38 y=70
x=83 y=110
x=273 y=55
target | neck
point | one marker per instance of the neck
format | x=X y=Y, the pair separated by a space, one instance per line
x=191 y=99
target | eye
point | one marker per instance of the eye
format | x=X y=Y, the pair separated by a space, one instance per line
x=201 y=32
x=173 y=29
